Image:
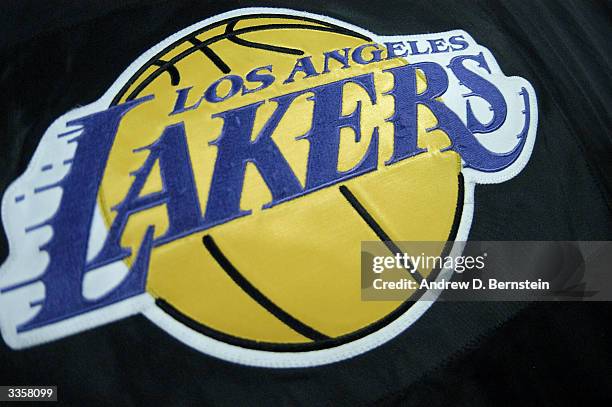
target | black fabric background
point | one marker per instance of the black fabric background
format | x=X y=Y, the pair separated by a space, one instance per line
x=56 y=55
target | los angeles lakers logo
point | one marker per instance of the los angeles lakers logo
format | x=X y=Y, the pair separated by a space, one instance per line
x=223 y=185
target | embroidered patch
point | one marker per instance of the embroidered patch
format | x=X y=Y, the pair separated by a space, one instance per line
x=223 y=184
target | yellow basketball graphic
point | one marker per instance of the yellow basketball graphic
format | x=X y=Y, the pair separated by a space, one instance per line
x=285 y=276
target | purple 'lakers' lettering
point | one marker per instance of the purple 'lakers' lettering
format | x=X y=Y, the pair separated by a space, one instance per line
x=463 y=141
x=64 y=274
x=235 y=148
x=324 y=135
x=178 y=193
x=482 y=88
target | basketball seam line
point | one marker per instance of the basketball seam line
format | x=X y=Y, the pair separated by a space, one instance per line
x=145 y=82
x=175 y=76
x=375 y=226
x=329 y=343
x=229 y=29
x=257 y=295
x=216 y=59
